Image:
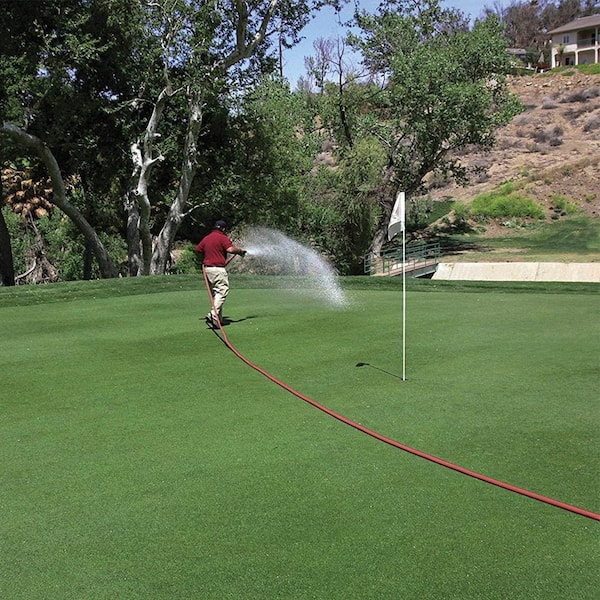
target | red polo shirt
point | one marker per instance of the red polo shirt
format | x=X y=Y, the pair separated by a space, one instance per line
x=214 y=247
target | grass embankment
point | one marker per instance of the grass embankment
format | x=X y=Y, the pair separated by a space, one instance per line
x=576 y=239
x=141 y=459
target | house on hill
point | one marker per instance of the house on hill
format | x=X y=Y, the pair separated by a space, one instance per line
x=577 y=42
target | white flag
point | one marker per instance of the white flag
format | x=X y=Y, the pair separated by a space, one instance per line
x=396 y=224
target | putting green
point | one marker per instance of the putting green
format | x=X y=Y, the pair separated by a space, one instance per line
x=141 y=459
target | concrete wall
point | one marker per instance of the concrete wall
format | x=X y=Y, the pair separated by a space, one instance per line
x=516 y=271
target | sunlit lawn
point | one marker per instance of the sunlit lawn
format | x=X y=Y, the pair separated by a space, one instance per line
x=142 y=459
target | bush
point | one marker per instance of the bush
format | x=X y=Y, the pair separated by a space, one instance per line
x=548 y=103
x=440 y=209
x=62 y=244
x=593 y=69
x=66 y=249
x=592 y=123
x=21 y=240
x=505 y=203
x=582 y=95
x=550 y=135
x=562 y=206
x=461 y=211
x=187 y=261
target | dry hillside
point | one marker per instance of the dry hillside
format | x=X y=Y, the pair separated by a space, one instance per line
x=552 y=148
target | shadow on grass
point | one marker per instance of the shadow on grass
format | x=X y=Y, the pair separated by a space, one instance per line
x=459 y=245
x=578 y=235
x=364 y=364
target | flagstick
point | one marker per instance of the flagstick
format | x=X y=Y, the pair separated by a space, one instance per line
x=398 y=218
x=403 y=304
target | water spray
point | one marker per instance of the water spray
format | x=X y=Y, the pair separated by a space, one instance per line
x=278 y=254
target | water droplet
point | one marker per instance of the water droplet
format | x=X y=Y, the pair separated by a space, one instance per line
x=289 y=257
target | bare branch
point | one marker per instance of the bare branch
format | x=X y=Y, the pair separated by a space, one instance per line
x=243 y=50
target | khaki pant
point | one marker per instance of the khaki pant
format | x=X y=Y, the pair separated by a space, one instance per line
x=219 y=281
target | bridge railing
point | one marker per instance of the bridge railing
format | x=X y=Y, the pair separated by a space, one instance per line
x=389 y=262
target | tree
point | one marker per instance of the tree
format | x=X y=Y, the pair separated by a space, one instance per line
x=527 y=23
x=85 y=80
x=442 y=90
x=105 y=263
x=523 y=25
x=269 y=136
x=207 y=49
x=59 y=66
x=337 y=213
x=7 y=269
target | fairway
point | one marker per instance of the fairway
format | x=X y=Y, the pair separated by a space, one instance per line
x=142 y=460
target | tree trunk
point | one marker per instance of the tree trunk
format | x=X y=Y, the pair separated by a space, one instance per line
x=59 y=199
x=245 y=46
x=42 y=271
x=87 y=263
x=139 y=238
x=7 y=267
x=134 y=258
x=386 y=200
x=161 y=257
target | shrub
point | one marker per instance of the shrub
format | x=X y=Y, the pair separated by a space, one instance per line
x=66 y=249
x=187 y=261
x=523 y=120
x=550 y=135
x=592 y=123
x=548 y=103
x=461 y=211
x=582 y=95
x=458 y=221
x=505 y=203
x=62 y=244
x=593 y=69
x=563 y=206
x=440 y=208
x=21 y=239
x=592 y=92
x=438 y=180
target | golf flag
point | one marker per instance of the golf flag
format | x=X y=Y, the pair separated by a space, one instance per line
x=396 y=224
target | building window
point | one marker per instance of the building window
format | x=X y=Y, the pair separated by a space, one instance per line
x=565 y=39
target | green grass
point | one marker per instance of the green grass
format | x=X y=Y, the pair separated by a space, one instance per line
x=505 y=202
x=141 y=459
x=591 y=69
x=563 y=206
x=440 y=209
x=572 y=239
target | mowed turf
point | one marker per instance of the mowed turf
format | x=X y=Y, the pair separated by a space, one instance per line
x=142 y=459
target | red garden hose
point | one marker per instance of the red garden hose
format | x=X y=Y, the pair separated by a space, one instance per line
x=395 y=444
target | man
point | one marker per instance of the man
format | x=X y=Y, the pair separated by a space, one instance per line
x=214 y=248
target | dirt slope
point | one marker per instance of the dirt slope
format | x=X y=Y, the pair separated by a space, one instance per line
x=553 y=147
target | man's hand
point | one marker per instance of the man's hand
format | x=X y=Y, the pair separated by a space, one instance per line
x=236 y=250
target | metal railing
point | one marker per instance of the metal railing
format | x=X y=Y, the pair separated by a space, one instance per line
x=586 y=42
x=420 y=259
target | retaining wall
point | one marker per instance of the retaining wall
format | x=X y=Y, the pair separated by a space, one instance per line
x=517 y=271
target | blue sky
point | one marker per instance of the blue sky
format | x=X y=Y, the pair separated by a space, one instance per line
x=325 y=26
